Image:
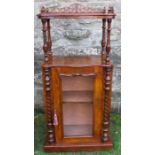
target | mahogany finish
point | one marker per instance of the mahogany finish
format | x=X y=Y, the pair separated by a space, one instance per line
x=77 y=90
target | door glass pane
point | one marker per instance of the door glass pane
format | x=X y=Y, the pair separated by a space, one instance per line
x=77 y=101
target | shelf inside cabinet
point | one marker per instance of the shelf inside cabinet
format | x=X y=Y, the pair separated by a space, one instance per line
x=77 y=113
x=77 y=83
x=77 y=96
x=78 y=130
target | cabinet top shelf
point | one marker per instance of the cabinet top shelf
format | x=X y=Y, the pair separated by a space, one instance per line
x=76 y=11
x=92 y=60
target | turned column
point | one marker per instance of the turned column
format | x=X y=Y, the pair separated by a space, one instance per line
x=107 y=83
x=47 y=43
x=107 y=102
x=108 y=46
x=103 y=43
x=48 y=101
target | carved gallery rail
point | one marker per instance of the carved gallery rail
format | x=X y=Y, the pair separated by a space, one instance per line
x=77 y=90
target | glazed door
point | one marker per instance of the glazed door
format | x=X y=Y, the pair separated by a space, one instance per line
x=78 y=104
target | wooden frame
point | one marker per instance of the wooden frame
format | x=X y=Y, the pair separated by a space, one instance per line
x=97 y=99
x=53 y=69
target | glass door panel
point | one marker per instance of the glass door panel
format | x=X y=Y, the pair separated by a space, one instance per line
x=77 y=103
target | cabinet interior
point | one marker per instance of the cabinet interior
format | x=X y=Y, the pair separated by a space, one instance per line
x=77 y=103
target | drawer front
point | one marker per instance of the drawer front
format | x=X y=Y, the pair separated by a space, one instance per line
x=78 y=103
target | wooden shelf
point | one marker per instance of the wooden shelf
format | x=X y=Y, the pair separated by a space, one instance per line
x=76 y=11
x=77 y=83
x=75 y=102
x=76 y=61
x=78 y=113
x=77 y=96
x=78 y=130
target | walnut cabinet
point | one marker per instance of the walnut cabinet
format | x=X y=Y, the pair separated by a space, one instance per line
x=77 y=89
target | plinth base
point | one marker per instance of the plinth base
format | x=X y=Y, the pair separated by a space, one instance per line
x=78 y=147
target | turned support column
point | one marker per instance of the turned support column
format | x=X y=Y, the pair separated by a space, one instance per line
x=49 y=107
x=107 y=102
x=108 y=46
x=47 y=43
x=48 y=101
x=103 y=42
x=107 y=84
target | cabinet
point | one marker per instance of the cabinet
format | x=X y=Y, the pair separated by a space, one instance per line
x=77 y=89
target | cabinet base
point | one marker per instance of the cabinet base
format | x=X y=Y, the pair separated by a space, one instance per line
x=78 y=147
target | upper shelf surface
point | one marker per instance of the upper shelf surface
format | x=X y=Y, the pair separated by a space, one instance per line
x=76 y=61
x=76 y=10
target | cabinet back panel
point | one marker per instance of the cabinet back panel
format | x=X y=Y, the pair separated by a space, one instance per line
x=77 y=83
x=77 y=130
x=77 y=113
x=77 y=96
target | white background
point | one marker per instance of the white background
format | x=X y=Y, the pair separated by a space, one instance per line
x=17 y=68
